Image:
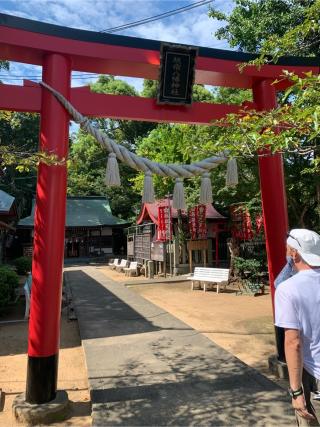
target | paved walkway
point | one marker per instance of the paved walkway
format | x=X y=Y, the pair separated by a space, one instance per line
x=145 y=367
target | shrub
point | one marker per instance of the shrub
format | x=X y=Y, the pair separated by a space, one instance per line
x=9 y=281
x=249 y=268
x=23 y=264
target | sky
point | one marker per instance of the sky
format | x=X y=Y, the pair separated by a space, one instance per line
x=192 y=27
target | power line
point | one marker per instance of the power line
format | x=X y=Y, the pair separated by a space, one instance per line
x=156 y=17
x=39 y=78
x=120 y=28
x=153 y=18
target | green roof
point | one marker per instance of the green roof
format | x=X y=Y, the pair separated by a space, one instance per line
x=6 y=201
x=83 y=212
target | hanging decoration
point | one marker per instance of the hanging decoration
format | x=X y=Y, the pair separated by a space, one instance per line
x=232 y=173
x=205 y=189
x=178 y=201
x=112 y=172
x=178 y=172
x=148 y=190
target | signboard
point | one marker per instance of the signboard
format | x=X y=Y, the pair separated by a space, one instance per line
x=177 y=70
x=130 y=247
x=158 y=251
x=164 y=223
x=142 y=246
x=197 y=222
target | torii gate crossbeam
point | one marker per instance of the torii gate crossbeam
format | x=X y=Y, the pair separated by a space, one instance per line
x=60 y=51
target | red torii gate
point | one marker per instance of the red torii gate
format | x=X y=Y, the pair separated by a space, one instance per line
x=60 y=50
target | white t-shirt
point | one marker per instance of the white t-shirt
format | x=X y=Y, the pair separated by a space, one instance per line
x=297 y=306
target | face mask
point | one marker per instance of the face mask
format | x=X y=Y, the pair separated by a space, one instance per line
x=290 y=262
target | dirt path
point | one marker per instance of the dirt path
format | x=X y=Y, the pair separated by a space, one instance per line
x=72 y=371
x=240 y=324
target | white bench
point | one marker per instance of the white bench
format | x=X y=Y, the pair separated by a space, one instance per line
x=123 y=264
x=132 y=269
x=209 y=276
x=114 y=264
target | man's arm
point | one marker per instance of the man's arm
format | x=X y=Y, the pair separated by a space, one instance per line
x=292 y=345
x=293 y=351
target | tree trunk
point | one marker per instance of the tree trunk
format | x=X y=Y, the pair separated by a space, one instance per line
x=234 y=250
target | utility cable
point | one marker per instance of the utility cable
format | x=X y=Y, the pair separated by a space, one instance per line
x=156 y=17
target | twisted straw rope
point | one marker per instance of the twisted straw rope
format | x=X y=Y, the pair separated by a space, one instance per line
x=131 y=159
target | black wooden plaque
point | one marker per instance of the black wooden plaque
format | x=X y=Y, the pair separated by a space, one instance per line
x=177 y=70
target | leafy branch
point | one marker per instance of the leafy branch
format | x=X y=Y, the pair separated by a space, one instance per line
x=26 y=161
x=293 y=127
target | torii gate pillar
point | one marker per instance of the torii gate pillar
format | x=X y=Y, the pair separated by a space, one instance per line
x=273 y=194
x=49 y=229
x=274 y=201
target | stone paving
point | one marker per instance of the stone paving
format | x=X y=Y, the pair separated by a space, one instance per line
x=146 y=367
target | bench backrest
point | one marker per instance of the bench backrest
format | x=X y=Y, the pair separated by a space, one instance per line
x=123 y=263
x=212 y=273
x=133 y=265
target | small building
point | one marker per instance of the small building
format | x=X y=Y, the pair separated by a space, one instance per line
x=8 y=217
x=91 y=229
x=144 y=242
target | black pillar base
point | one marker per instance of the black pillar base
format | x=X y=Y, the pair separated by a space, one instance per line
x=42 y=375
x=279 y=333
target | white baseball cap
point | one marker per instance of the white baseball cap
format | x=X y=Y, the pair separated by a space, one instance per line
x=307 y=243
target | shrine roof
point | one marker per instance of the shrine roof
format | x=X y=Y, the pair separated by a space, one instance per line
x=83 y=212
x=6 y=202
x=149 y=211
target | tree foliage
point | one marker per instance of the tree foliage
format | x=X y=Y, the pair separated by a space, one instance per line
x=88 y=159
x=19 y=136
x=266 y=25
x=273 y=28
x=180 y=143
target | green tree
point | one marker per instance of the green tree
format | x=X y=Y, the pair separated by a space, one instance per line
x=19 y=137
x=253 y=24
x=86 y=175
x=88 y=160
x=273 y=28
x=4 y=65
x=178 y=143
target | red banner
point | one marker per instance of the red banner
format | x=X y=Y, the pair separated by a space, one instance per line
x=202 y=226
x=242 y=227
x=197 y=222
x=259 y=224
x=164 y=223
x=193 y=220
x=247 y=226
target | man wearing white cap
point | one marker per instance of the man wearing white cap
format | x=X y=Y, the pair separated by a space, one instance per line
x=297 y=309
